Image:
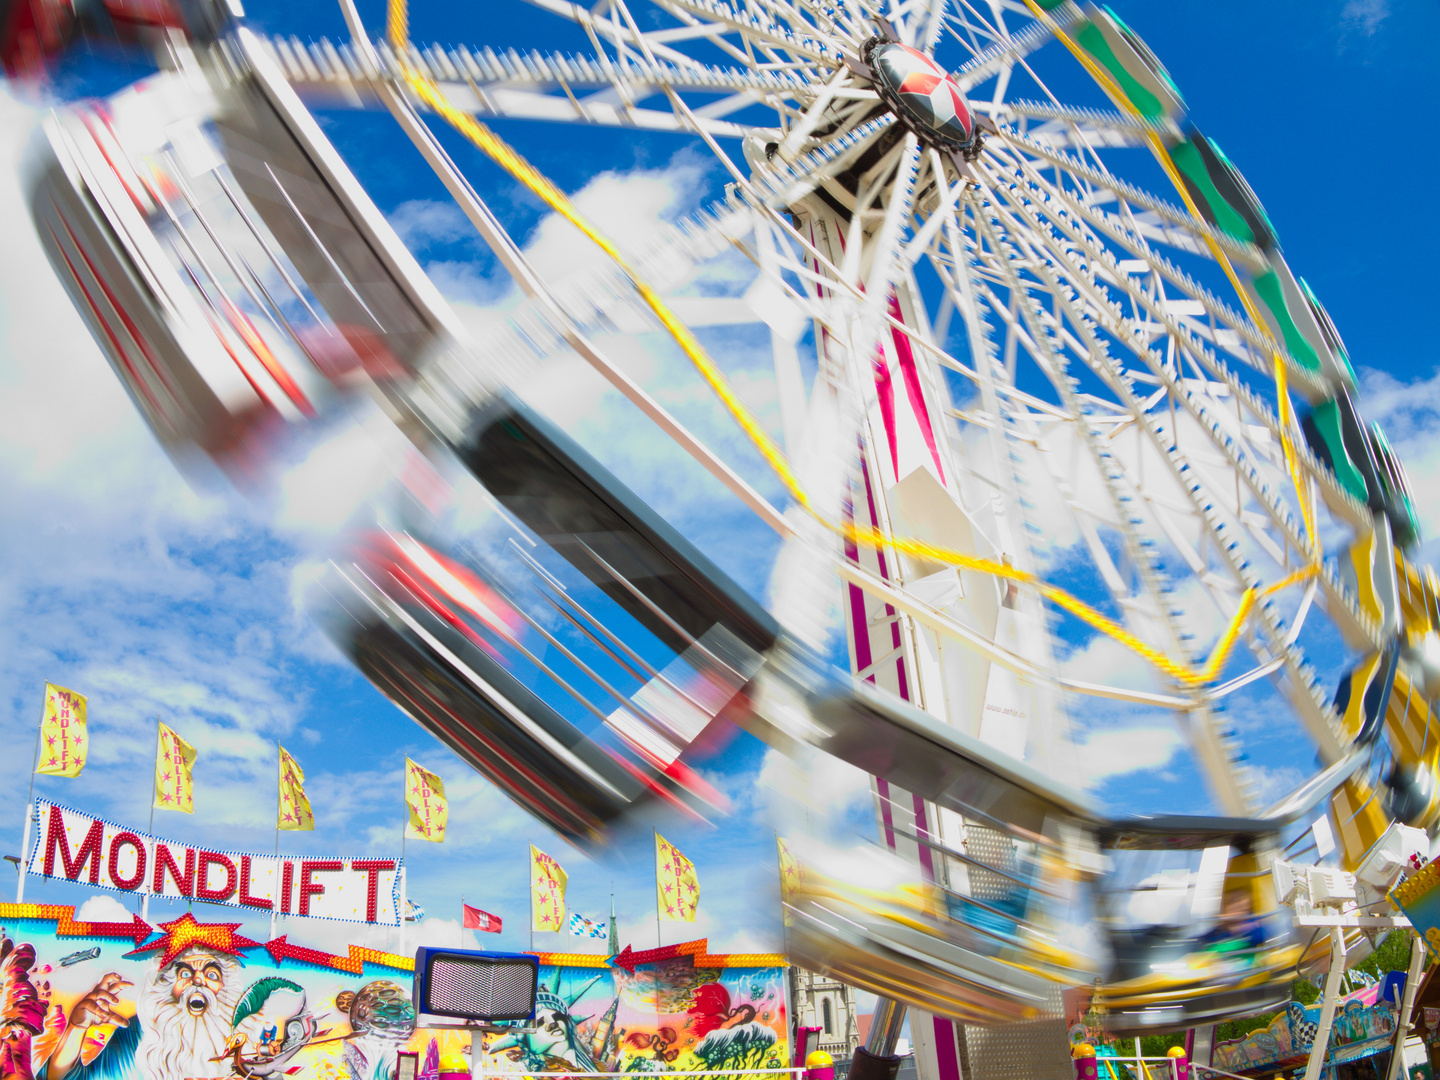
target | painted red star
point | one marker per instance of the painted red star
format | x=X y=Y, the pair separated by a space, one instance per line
x=185 y=932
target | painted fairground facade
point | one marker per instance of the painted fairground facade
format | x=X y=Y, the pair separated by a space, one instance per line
x=190 y=998
x=1364 y=1026
x=685 y=1010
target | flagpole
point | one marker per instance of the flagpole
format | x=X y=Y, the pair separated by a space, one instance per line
x=784 y=915
x=29 y=796
x=404 y=829
x=150 y=830
x=462 y=921
x=275 y=879
x=529 y=869
x=656 y=833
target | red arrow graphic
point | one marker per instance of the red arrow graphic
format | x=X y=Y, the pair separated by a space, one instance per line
x=281 y=950
x=629 y=959
x=137 y=929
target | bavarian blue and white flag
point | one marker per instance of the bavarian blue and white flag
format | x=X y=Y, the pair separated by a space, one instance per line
x=583 y=927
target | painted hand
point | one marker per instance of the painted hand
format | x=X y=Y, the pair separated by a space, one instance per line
x=98 y=1006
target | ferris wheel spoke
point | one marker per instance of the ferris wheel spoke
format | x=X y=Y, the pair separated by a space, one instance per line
x=996 y=58
x=1062 y=128
x=813 y=46
x=1213 y=749
x=1299 y=684
x=558 y=89
x=814 y=113
x=1087 y=120
x=820 y=168
x=1184 y=331
x=1241 y=456
x=928 y=35
x=1246 y=254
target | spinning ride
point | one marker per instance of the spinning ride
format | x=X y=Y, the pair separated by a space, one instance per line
x=1101 y=466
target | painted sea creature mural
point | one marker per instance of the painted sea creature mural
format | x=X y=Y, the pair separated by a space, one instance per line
x=686 y=1012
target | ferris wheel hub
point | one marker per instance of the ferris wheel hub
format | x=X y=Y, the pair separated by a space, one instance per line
x=921 y=94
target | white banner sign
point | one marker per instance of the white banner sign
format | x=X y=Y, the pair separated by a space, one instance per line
x=77 y=847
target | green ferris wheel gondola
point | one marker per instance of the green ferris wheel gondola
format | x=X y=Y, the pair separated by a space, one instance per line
x=1363 y=463
x=1328 y=330
x=1136 y=71
x=1295 y=322
x=1395 y=490
x=1220 y=191
x=1337 y=437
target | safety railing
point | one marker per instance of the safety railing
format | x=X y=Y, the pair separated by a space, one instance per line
x=1210 y=1070
x=491 y=1074
x=1125 y=1068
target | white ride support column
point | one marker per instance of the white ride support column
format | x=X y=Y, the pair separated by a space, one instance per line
x=1327 y=1004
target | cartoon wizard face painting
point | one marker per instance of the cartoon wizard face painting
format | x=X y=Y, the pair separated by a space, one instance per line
x=193 y=1015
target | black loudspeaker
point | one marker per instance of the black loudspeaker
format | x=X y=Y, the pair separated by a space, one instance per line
x=466 y=984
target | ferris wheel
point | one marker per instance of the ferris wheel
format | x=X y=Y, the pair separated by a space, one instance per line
x=1054 y=363
x=1115 y=359
x=1074 y=438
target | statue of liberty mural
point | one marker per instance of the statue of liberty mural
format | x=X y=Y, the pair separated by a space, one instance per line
x=554 y=1043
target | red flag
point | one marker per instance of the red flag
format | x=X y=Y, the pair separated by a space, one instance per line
x=475 y=919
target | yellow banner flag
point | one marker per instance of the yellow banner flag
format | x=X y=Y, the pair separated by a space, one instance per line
x=677 y=888
x=294 y=813
x=64 y=743
x=174 y=778
x=547 y=891
x=789 y=873
x=425 y=796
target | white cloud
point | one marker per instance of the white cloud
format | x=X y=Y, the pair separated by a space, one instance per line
x=1364 y=17
x=1273 y=781
x=812 y=791
x=1409 y=412
x=1118 y=751
x=631 y=208
x=422 y=223
x=103 y=907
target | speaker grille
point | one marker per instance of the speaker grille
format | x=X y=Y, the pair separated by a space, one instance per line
x=480 y=989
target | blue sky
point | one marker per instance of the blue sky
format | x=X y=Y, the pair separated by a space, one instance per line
x=120 y=581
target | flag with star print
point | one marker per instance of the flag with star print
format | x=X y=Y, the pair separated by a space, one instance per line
x=789 y=876
x=425 y=797
x=64 y=744
x=677 y=888
x=294 y=813
x=547 y=891
x=174 y=777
